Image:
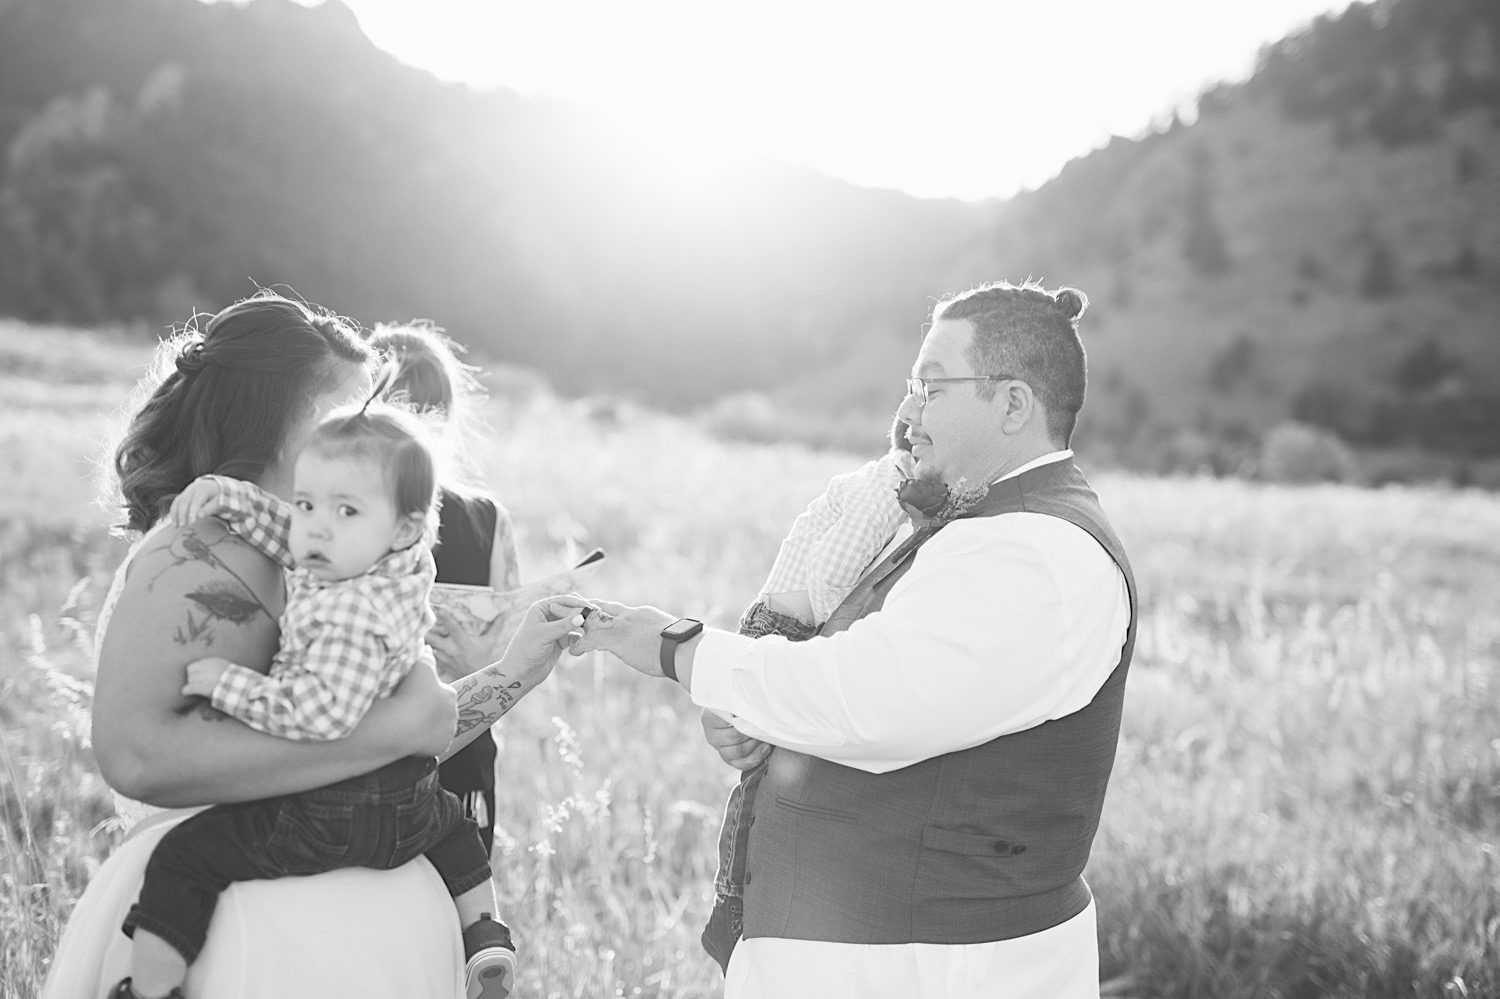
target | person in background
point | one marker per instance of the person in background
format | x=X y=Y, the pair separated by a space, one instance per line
x=476 y=541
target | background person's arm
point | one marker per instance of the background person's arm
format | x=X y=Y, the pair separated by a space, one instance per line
x=199 y=591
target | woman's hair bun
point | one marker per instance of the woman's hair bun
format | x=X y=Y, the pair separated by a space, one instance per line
x=1072 y=302
x=191 y=357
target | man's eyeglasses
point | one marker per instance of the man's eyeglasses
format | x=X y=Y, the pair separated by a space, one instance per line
x=917 y=387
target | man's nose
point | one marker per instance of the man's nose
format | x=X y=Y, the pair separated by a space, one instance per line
x=909 y=411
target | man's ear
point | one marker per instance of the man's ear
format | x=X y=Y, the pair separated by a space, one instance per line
x=408 y=531
x=1020 y=405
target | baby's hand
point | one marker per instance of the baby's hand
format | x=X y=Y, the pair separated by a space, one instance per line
x=203 y=676
x=200 y=499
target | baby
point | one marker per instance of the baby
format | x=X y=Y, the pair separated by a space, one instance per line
x=829 y=546
x=356 y=540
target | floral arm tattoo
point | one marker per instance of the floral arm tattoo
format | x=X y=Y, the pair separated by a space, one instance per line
x=483 y=698
x=211 y=603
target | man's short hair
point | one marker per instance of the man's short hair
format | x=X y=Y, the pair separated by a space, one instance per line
x=1030 y=333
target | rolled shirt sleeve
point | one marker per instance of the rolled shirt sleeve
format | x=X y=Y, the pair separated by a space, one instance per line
x=1000 y=624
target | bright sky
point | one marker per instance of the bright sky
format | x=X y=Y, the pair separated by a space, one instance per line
x=963 y=98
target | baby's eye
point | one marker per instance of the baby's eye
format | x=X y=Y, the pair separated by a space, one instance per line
x=304 y=505
x=345 y=510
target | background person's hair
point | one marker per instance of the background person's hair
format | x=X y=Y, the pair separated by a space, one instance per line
x=221 y=398
x=427 y=375
x=1031 y=333
x=394 y=439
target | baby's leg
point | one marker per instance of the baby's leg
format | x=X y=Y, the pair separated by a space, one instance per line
x=156 y=968
x=190 y=867
x=464 y=865
x=476 y=902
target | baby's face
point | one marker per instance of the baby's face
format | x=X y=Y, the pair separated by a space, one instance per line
x=343 y=518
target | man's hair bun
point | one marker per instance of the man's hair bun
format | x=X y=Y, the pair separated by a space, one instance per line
x=1072 y=302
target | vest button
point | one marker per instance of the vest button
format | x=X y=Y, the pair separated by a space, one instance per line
x=747 y=877
x=1001 y=846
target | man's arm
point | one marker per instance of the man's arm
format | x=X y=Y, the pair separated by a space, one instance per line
x=976 y=641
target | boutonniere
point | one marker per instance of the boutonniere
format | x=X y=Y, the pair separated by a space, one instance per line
x=933 y=501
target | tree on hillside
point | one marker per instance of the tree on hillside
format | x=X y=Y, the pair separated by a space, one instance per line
x=1203 y=244
x=1424 y=366
x=1233 y=364
x=1378 y=278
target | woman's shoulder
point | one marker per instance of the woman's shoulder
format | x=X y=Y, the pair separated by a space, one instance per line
x=198 y=576
x=205 y=546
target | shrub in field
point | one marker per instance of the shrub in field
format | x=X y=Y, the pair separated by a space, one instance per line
x=1301 y=453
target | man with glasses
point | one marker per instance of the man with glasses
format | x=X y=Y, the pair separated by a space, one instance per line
x=939 y=752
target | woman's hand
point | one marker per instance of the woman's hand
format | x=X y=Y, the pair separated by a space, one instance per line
x=548 y=627
x=423 y=713
x=459 y=651
x=733 y=746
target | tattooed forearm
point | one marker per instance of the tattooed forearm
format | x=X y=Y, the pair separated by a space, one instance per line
x=482 y=705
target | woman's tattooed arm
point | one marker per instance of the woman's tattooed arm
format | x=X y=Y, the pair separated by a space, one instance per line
x=483 y=699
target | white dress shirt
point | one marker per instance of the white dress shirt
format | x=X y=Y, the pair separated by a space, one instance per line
x=1000 y=624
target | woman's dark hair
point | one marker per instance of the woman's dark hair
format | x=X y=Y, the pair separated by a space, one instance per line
x=222 y=399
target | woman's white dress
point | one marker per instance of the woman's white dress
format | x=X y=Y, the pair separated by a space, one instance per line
x=372 y=934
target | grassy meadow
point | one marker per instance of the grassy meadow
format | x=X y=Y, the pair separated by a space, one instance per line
x=1307 y=796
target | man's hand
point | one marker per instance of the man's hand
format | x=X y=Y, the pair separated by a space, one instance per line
x=200 y=499
x=203 y=676
x=631 y=634
x=735 y=747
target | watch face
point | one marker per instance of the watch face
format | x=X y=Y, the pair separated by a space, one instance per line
x=682 y=630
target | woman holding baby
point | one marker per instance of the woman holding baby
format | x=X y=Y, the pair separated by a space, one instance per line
x=238 y=398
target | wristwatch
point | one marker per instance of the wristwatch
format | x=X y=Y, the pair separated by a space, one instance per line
x=672 y=636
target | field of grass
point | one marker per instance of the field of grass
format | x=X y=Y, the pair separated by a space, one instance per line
x=1307 y=798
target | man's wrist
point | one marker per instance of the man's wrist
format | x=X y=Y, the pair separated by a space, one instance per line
x=672 y=638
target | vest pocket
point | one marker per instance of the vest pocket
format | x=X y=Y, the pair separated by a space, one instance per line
x=801 y=808
x=970 y=867
x=970 y=844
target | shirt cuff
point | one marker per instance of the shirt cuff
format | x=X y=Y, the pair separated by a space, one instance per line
x=235 y=683
x=713 y=665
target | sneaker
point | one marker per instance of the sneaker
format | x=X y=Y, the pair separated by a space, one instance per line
x=490 y=960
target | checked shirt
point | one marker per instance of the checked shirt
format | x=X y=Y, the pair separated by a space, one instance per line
x=344 y=643
x=833 y=541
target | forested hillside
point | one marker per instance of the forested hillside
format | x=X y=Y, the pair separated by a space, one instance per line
x=1320 y=242
x=164 y=154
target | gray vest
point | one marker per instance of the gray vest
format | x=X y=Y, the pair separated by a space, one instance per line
x=982 y=844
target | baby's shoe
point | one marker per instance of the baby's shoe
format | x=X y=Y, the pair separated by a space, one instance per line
x=489 y=960
x=124 y=991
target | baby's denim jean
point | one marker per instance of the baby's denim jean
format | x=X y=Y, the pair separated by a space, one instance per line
x=727 y=920
x=380 y=820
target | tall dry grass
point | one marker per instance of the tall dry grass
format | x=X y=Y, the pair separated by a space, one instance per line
x=1307 y=798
